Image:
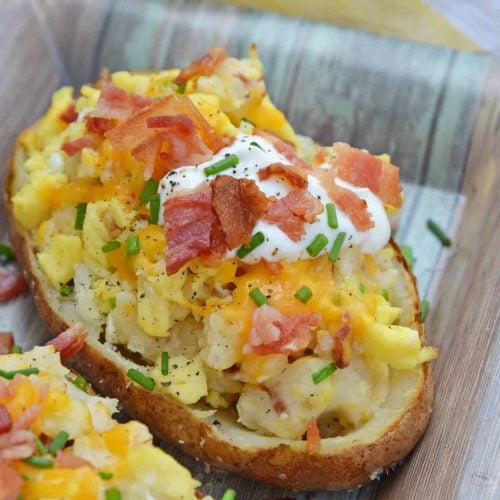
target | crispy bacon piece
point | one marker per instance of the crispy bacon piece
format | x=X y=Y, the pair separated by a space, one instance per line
x=313 y=438
x=342 y=342
x=11 y=482
x=204 y=66
x=5 y=420
x=12 y=283
x=238 y=203
x=16 y=444
x=273 y=332
x=6 y=342
x=364 y=170
x=70 y=115
x=286 y=148
x=291 y=212
x=69 y=342
x=75 y=146
x=27 y=418
x=192 y=228
x=69 y=460
x=161 y=149
x=295 y=176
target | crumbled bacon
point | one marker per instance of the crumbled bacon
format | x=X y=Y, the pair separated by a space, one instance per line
x=69 y=342
x=342 y=342
x=295 y=176
x=27 y=418
x=286 y=148
x=273 y=332
x=204 y=66
x=365 y=170
x=70 y=115
x=6 y=342
x=75 y=146
x=11 y=482
x=238 y=203
x=5 y=419
x=69 y=460
x=16 y=444
x=192 y=228
x=12 y=283
x=291 y=212
x=313 y=438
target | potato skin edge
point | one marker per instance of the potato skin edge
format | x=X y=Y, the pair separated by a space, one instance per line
x=281 y=466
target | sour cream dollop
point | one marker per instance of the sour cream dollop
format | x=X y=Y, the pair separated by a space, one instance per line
x=255 y=153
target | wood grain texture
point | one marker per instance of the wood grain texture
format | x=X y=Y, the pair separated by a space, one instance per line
x=417 y=102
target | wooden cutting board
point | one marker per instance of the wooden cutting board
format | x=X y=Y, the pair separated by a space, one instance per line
x=435 y=110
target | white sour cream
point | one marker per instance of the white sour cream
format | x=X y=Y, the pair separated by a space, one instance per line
x=277 y=245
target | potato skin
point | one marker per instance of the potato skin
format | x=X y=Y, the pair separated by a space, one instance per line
x=281 y=466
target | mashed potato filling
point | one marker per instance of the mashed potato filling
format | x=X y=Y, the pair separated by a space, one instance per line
x=200 y=319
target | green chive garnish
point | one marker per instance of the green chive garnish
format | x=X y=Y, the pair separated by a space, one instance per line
x=257 y=145
x=362 y=288
x=245 y=119
x=150 y=189
x=303 y=294
x=407 y=254
x=58 y=442
x=81 y=210
x=324 y=373
x=81 y=383
x=337 y=245
x=141 y=379
x=227 y=162
x=181 y=88
x=438 y=233
x=41 y=462
x=258 y=297
x=331 y=214
x=424 y=310
x=6 y=251
x=164 y=363
x=112 y=245
x=154 y=209
x=133 y=245
x=9 y=375
x=42 y=450
x=315 y=247
x=112 y=302
x=105 y=475
x=66 y=290
x=16 y=349
x=113 y=494
x=229 y=494
x=257 y=239
x=385 y=294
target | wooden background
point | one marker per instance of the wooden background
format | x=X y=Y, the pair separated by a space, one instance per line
x=435 y=110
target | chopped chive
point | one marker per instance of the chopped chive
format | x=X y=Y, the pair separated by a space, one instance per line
x=303 y=294
x=6 y=251
x=439 y=233
x=81 y=383
x=337 y=245
x=181 y=88
x=112 y=245
x=385 y=294
x=81 y=210
x=16 y=349
x=245 y=119
x=256 y=240
x=150 y=189
x=221 y=165
x=424 y=310
x=229 y=494
x=9 y=375
x=331 y=214
x=257 y=145
x=42 y=450
x=113 y=494
x=66 y=290
x=407 y=254
x=258 y=297
x=105 y=475
x=164 y=363
x=133 y=245
x=58 y=442
x=41 y=462
x=112 y=302
x=362 y=288
x=141 y=379
x=324 y=373
x=315 y=247
x=154 y=209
